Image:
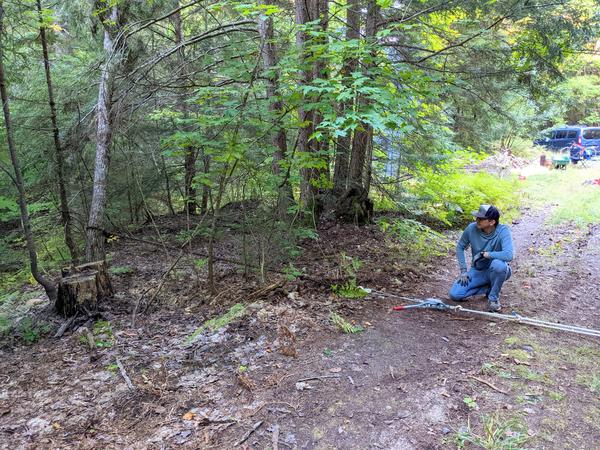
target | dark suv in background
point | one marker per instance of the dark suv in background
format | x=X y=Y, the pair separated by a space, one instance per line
x=587 y=138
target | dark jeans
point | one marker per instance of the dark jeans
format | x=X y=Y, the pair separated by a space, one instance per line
x=488 y=281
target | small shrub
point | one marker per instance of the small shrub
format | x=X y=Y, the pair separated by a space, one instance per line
x=349 y=289
x=343 y=325
x=291 y=272
x=470 y=402
x=30 y=332
x=349 y=267
x=103 y=334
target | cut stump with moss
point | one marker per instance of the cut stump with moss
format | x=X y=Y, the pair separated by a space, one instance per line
x=82 y=287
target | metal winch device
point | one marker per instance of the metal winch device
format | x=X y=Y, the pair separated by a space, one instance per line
x=439 y=305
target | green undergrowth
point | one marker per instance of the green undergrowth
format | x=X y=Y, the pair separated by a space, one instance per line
x=496 y=432
x=13 y=310
x=415 y=240
x=216 y=323
x=566 y=194
x=444 y=195
x=348 y=268
x=349 y=290
x=120 y=270
x=449 y=193
x=343 y=325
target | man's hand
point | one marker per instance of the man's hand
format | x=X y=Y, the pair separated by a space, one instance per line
x=486 y=255
x=464 y=278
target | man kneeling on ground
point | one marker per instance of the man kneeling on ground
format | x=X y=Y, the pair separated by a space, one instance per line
x=492 y=250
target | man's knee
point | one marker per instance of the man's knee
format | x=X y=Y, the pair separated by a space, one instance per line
x=500 y=267
x=457 y=293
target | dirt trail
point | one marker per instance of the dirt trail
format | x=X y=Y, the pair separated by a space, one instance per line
x=412 y=380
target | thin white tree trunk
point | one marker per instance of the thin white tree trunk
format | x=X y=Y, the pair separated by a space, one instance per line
x=94 y=249
x=279 y=138
x=59 y=156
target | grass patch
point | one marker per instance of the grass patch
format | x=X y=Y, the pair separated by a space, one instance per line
x=592 y=382
x=498 y=433
x=496 y=370
x=556 y=396
x=512 y=340
x=529 y=399
x=214 y=324
x=520 y=354
x=531 y=375
x=120 y=270
x=575 y=202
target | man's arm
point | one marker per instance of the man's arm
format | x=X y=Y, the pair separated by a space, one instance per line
x=461 y=246
x=506 y=243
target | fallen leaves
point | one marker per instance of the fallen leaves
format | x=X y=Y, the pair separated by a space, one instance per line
x=189 y=415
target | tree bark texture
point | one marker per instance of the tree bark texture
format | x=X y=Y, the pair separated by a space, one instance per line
x=59 y=158
x=191 y=152
x=94 y=249
x=310 y=198
x=354 y=205
x=18 y=178
x=363 y=135
x=82 y=287
x=205 y=188
x=343 y=144
x=320 y=72
x=285 y=196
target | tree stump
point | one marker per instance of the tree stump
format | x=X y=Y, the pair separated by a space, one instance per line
x=82 y=287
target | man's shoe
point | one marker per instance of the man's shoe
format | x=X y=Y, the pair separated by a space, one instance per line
x=494 y=306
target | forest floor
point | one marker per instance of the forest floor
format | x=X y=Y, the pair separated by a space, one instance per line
x=280 y=375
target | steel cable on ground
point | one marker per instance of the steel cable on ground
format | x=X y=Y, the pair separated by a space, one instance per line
x=517 y=318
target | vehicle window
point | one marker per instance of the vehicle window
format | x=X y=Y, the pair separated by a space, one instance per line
x=591 y=133
x=571 y=134
x=560 y=134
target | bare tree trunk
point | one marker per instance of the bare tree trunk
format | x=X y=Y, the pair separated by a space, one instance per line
x=210 y=265
x=59 y=157
x=320 y=72
x=94 y=249
x=368 y=172
x=360 y=143
x=309 y=183
x=354 y=204
x=269 y=55
x=167 y=186
x=191 y=155
x=205 y=188
x=363 y=135
x=191 y=152
x=343 y=144
x=18 y=179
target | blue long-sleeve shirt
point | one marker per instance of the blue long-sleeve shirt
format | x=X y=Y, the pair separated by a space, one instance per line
x=498 y=244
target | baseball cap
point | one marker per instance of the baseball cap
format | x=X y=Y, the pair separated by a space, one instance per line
x=487 y=212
